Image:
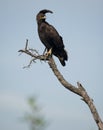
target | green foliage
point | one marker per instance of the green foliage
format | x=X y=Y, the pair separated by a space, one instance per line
x=34 y=117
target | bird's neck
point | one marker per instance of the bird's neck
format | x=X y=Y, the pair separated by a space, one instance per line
x=41 y=21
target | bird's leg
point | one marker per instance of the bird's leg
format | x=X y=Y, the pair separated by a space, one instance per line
x=49 y=53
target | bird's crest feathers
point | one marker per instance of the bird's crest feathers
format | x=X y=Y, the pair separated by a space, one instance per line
x=45 y=11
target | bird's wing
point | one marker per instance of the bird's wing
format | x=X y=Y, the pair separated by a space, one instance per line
x=53 y=36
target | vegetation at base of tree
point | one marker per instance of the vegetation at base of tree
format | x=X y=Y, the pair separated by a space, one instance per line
x=34 y=117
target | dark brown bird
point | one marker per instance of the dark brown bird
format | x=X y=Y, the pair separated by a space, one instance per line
x=50 y=37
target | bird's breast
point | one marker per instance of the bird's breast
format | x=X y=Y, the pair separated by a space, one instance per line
x=44 y=36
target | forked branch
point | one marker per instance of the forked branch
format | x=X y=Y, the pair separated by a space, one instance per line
x=79 y=89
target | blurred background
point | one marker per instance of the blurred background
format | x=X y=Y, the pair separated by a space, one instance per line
x=80 y=23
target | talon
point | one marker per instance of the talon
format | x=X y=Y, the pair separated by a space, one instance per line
x=49 y=53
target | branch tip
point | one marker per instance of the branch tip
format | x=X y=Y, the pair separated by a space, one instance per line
x=26 y=44
x=80 y=86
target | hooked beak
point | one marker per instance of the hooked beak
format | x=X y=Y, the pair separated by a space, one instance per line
x=43 y=17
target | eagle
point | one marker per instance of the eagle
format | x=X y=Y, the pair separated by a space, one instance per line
x=51 y=39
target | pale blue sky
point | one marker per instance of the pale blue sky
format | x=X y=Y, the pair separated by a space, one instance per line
x=80 y=22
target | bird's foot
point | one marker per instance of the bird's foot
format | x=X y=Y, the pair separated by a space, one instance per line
x=49 y=53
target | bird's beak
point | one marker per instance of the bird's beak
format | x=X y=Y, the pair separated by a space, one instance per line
x=43 y=17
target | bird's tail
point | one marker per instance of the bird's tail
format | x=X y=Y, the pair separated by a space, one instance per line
x=63 y=56
x=62 y=61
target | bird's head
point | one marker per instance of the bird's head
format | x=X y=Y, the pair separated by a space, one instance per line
x=41 y=15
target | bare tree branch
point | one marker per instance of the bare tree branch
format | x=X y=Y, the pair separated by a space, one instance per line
x=79 y=89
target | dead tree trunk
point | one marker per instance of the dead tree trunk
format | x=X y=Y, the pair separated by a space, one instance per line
x=79 y=89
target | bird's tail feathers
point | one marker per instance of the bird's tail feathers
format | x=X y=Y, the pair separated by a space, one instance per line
x=62 y=61
x=63 y=56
